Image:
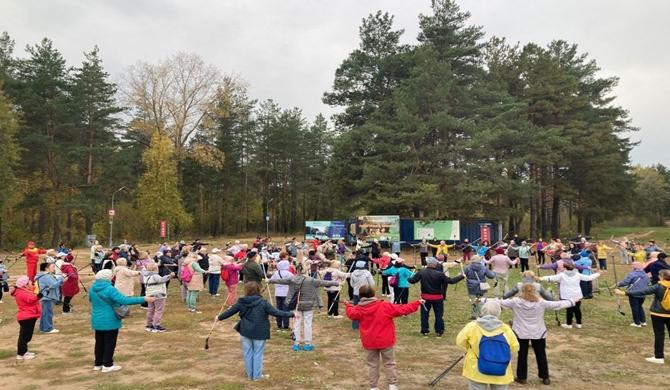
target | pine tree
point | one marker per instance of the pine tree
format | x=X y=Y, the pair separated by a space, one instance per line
x=9 y=156
x=158 y=195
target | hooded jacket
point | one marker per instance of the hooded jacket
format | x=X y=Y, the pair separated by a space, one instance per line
x=125 y=280
x=254 y=311
x=49 y=286
x=28 y=304
x=360 y=277
x=308 y=289
x=71 y=285
x=477 y=273
x=636 y=280
x=656 y=267
x=403 y=274
x=433 y=282
x=155 y=284
x=528 y=317
x=103 y=298
x=569 y=283
x=658 y=290
x=470 y=336
x=282 y=273
x=375 y=317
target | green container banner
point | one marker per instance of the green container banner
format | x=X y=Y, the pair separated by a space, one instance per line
x=438 y=230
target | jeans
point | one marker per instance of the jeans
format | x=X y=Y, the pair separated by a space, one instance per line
x=105 y=344
x=192 y=299
x=539 y=347
x=282 y=322
x=575 y=311
x=658 y=323
x=354 y=324
x=333 y=303
x=438 y=309
x=47 y=318
x=252 y=352
x=637 y=310
x=26 y=329
x=66 y=304
x=214 y=281
x=602 y=263
x=524 y=264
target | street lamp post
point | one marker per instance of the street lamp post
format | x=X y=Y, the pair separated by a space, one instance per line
x=111 y=216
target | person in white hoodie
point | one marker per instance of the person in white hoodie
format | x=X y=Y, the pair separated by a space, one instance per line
x=528 y=325
x=333 y=272
x=281 y=291
x=569 y=289
x=359 y=277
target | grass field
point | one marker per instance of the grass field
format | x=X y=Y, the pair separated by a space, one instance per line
x=605 y=354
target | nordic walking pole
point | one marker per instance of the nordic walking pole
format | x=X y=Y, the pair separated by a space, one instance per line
x=267 y=284
x=216 y=319
x=443 y=373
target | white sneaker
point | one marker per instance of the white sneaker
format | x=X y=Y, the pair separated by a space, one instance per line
x=338 y=317
x=25 y=357
x=393 y=387
x=644 y=324
x=218 y=295
x=578 y=326
x=111 y=369
x=634 y=325
x=375 y=388
x=566 y=326
x=655 y=360
x=52 y=331
x=29 y=354
x=97 y=368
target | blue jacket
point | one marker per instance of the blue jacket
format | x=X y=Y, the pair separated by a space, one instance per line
x=254 y=311
x=403 y=275
x=103 y=297
x=49 y=286
x=476 y=273
x=637 y=280
x=584 y=265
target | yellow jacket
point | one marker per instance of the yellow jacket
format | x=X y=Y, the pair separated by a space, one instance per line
x=602 y=251
x=442 y=249
x=468 y=339
x=640 y=256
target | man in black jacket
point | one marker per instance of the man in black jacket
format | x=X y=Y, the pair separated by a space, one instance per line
x=434 y=291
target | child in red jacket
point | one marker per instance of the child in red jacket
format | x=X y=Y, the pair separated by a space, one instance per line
x=29 y=310
x=378 y=332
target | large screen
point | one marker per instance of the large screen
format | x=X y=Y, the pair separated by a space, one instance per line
x=438 y=230
x=325 y=230
x=381 y=227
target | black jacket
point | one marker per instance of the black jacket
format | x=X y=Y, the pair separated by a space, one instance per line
x=658 y=291
x=433 y=281
x=254 y=311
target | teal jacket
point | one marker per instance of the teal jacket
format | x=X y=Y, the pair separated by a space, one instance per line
x=402 y=273
x=103 y=297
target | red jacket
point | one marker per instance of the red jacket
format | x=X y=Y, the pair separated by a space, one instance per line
x=383 y=262
x=376 y=321
x=33 y=255
x=28 y=304
x=71 y=285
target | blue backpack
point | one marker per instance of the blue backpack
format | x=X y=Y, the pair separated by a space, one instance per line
x=494 y=355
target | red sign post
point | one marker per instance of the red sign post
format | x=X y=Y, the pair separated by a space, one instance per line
x=485 y=232
x=163 y=228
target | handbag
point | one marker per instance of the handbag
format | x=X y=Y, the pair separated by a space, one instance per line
x=120 y=311
x=484 y=286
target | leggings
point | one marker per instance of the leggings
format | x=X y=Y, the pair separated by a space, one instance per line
x=385 y=285
x=575 y=311
x=540 y=257
x=400 y=295
x=26 y=330
x=524 y=264
x=192 y=299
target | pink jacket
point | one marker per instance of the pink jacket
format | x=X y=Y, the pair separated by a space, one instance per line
x=500 y=263
x=233 y=273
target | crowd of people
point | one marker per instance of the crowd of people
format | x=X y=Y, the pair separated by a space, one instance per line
x=297 y=271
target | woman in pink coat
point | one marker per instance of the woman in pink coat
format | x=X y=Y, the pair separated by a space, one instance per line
x=232 y=278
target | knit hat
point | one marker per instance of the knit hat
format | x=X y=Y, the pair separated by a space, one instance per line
x=394 y=256
x=105 y=274
x=360 y=264
x=251 y=255
x=491 y=308
x=22 y=281
x=431 y=261
x=216 y=250
x=500 y=250
x=283 y=265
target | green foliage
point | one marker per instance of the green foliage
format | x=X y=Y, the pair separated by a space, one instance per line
x=158 y=194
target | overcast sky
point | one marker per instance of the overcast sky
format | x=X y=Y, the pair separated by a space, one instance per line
x=288 y=50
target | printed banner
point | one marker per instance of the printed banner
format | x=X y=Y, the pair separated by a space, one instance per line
x=325 y=230
x=437 y=230
x=381 y=227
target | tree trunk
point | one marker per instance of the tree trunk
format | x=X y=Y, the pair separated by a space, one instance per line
x=555 y=216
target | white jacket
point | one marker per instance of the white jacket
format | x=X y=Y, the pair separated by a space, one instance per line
x=569 y=283
x=336 y=275
x=215 y=263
